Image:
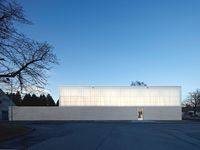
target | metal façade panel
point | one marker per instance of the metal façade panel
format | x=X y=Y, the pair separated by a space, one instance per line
x=120 y=96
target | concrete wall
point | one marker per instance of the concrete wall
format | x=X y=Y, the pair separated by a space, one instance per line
x=93 y=113
x=162 y=113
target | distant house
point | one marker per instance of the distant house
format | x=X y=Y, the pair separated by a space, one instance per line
x=5 y=102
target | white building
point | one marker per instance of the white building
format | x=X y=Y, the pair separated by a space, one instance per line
x=108 y=103
x=123 y=102
x=5 y=102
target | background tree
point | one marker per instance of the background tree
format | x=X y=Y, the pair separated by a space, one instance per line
x=34 y=100
x=193 y=100
x=57 y=103
x=26 y=100
x=16 y=97
x=22 y=59
x=10 y=14
x=50 y=101
x=138 y=83
x=43 y=100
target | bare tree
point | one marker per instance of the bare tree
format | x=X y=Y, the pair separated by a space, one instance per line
x=10 y=14
x=22 y=60
x=193 y=100
x=138 y=83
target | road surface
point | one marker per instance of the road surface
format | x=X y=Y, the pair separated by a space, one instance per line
x=180 y=135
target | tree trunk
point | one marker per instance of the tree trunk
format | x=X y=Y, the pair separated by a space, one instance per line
x=195 y=111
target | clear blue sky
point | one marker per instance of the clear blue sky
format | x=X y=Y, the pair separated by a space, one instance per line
x=111 y=42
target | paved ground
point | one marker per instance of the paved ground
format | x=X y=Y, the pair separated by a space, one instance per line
x=109 y=136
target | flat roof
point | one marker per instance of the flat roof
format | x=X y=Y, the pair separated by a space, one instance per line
x=101 y=86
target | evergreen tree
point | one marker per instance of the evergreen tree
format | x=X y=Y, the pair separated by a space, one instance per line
x=26 y=100
x=57 y=103
x=18 y=99
x=42 y=100
x=15 y=97
x=34 y=100
x=50 y=101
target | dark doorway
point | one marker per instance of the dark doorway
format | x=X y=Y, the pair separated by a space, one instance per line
x=4 y=115
x=140 y=114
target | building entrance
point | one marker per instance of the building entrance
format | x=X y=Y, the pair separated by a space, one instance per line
x=140 y=114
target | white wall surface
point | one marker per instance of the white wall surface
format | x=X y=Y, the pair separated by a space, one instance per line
x=93 y=113
x=120 y=96
x=5 y=102
x=162 y=113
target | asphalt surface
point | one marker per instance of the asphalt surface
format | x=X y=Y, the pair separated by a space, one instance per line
x=180 y=135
